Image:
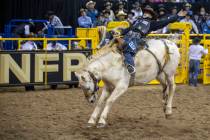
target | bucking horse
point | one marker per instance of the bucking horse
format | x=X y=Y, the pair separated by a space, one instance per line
x=158 y=60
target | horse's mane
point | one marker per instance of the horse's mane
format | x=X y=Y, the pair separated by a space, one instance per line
x=110 y=47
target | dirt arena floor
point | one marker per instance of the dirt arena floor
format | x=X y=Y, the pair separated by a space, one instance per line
x=138 y=115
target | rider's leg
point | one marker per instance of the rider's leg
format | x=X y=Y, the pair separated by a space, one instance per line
x=129 y=62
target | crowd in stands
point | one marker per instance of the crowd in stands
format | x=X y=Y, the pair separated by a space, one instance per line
x=90 y=16
x=115 y=10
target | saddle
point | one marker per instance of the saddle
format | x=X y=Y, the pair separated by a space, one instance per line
x=144 y=46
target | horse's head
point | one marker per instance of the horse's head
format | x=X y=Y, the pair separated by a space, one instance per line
x=88 y=83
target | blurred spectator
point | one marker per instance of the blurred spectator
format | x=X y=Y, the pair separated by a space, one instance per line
x=84 y=21
x=161 y=11
x=188 y=18
x=120 y=7
x=28 y=45
x=137 y=10
x=130 y=18
x=24 y=29
x=195 y=53
x=206 y=26
x=55 y=22
x=106 y=17
x=108 y=6
x=99 y=21
x=91 y=11
x=174 y=10
x=200 y=19
x=199 y=22
x=121 y=16
x=202 y=11
x=187 y=7
x=55 y=46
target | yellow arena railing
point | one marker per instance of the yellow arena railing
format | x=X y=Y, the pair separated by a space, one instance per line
x=183 y=41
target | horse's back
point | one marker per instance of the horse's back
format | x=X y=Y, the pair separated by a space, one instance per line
x=146 y=64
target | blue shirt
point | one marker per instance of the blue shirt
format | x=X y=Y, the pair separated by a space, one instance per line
x=92 y=14
x=206 y=28
x=85 y=22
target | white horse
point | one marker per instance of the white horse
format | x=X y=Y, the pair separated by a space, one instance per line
x=107 y=65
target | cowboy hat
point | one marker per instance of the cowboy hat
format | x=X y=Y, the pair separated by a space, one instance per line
x=90 y=2
x=188 y=5
x=108 y=4
x=174 y=7
x=161 y=8
x=121 y=13
x=120 y=3
x=149 y=10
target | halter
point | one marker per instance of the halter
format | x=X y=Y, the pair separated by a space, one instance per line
x=95 y=81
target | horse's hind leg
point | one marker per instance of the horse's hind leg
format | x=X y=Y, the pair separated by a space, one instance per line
x=172 y=86
x=162 y=79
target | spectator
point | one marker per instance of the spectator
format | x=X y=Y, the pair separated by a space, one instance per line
x=121 y=16
x=201 y=19
x=108 y=6
x=199 y=22
x=189 y=20
x=137 y=10
x=202 y=11
x=195 y=53
x=187 y=7
x=55 y=46
x=84 y=21
x=161 y=11
x=130 y=18
x=99 y=21
x=106 y=17
x=91 y=11
x=24 y=29
x=28 y=45
x=206 y=26
x=174 y=10
x=120 y=6
x=55 y=22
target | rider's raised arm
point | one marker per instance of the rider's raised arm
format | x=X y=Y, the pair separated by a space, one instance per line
x=155 y=25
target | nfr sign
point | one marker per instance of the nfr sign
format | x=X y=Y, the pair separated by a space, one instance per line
x=40 y=67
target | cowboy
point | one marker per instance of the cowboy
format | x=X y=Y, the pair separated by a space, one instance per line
x=84 y=21
x=187 y=7
x=121 y=7
x=91 y=11
x=188 y=19
x=108 y=6
x=133 y=36
x=195 y=53
x=161 y=11
x=121 y=16
x=137 y=10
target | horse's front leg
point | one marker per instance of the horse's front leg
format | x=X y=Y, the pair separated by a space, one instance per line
x=118 y=91
x=99 y=107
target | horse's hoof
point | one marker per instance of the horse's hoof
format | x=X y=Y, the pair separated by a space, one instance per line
x=168 y=116
x=90 y=125
x=101 y=125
